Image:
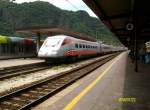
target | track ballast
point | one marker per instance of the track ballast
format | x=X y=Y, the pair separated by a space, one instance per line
x=28 y=97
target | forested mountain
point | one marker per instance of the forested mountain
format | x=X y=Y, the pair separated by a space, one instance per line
x=40 y=13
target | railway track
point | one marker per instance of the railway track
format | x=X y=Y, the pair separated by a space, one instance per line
x=9 y=72
x=30 y=96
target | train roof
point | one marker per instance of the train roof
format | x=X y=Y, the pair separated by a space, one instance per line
x=4 y=39
x=71 y=37
x=7 y=39
x=59 y=36
x=16 y=39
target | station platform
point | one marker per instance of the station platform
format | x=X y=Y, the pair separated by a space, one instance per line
x=5 y=57
x=17 y=62
x=113 y=86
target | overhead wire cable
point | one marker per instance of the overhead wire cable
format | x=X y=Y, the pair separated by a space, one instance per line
x=72 y=4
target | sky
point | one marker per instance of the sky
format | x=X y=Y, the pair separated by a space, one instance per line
x=73 y=5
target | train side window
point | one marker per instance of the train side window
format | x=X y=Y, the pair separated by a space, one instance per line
x=83 y=46
x=86 y=46
x=80 y=46
x=76 y=45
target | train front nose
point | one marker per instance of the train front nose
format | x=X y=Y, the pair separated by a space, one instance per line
x=53 y=53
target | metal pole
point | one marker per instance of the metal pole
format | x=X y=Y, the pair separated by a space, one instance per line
x=38 y=42
x=136 y=49
x=96 y=33
x=12 y=20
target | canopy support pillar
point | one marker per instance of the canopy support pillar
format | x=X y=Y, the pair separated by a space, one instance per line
x=136 y=47
x=136 y=56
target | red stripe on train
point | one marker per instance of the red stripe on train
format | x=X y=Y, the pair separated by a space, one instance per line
x=80 y=52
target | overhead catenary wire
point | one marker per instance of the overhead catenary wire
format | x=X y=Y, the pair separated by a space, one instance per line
x=72 y=4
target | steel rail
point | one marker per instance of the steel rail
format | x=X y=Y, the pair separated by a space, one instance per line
x=32 y=95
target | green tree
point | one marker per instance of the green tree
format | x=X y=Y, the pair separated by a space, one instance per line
x=40 y=13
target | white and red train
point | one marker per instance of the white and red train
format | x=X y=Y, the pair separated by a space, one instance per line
x=62 y=46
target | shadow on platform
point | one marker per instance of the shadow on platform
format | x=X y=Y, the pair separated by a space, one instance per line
x=137 y=87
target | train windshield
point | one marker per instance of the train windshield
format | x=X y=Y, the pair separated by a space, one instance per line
x=52 y=42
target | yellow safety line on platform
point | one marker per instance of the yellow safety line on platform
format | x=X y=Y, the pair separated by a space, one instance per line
x=79 y=96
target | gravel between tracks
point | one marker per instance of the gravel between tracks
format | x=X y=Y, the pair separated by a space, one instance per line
x=9 y=84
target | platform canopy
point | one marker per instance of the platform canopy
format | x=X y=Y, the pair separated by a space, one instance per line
x=49 y=31
x=128 y=19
